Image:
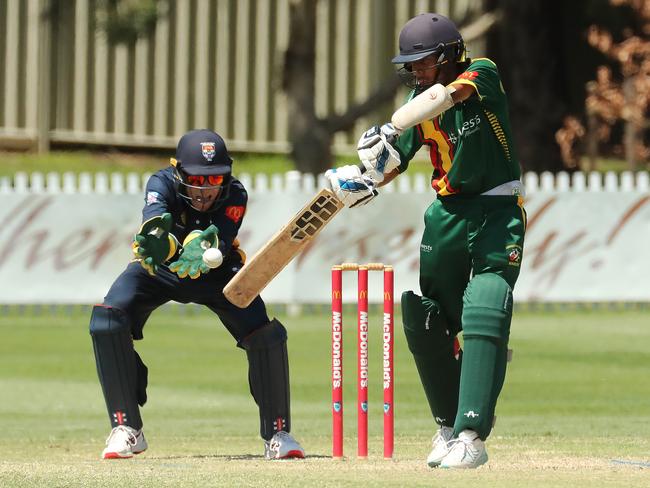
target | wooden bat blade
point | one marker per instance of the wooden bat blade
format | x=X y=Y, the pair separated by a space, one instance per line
x=270 y=259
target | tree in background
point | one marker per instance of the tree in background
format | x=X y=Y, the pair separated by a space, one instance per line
x=529 y=48
x=124 y=21
x=630 y=98
x=310 y=135
x=610 y=101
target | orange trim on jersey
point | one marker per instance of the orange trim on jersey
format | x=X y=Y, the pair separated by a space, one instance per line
x=434 y=155
x=446 y=151
x=441 y=154
x=432 y=132
x=445 y=136
x=445 y=187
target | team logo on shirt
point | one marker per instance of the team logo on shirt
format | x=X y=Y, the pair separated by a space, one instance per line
x=468 y=75
x=208 y=150
x=514 y=254
x=235 y=213
x=153 y=197
x=468 y=128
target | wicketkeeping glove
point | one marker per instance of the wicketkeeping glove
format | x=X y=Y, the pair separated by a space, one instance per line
x=153 y=244
x=190 y=262
x=351 y=187
x=377 y=153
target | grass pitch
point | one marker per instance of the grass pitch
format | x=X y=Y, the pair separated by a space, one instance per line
x=575 y=410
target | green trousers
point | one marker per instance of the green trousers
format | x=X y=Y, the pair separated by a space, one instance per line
x=470 y=257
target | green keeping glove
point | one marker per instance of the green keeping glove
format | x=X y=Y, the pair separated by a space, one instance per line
x=153 y=244
x=190 y=262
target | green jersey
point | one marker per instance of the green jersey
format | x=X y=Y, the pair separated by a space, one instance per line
x=470 y=145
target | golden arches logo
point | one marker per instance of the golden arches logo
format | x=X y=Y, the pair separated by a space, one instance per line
x=363 y=294
x=387 y=295
x=336 y=294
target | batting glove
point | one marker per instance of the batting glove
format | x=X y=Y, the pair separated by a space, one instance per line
x=377 y=153
x=351 y=187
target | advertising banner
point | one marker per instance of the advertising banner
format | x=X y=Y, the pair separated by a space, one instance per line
x=579 y=246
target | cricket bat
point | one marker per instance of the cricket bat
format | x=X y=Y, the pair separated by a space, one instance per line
x=272 y=258
x=293 y=237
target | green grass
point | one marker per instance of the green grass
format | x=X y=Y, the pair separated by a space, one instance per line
x=576 y=399
x=115 y=161
x=120 y=162
x=604 y=164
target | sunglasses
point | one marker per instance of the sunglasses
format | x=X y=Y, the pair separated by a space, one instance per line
x=200 y=180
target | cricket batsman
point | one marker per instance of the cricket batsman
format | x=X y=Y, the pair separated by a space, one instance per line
x=471 y=249
x=193 y=209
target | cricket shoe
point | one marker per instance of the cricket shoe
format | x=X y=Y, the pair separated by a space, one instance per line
x=466 y=452
x=123 y=442
x=441 y=445
x=283 y=446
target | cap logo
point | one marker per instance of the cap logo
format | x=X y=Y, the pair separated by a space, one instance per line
x=208 y=150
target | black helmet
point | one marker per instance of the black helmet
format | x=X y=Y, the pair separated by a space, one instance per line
x=203 y=164
x=425 y=35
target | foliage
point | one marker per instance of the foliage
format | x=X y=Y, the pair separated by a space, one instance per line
x=528 y=50
x=124 y=21
x=311 y=135
x=609 y=101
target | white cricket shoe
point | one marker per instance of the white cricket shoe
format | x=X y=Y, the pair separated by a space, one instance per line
x=466 y=452
x=283 y=446
x=123 y=442
x=441 y=445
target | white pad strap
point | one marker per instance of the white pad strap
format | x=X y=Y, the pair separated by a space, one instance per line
x=427 y=105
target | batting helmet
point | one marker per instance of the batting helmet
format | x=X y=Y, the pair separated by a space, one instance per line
x=428 y=35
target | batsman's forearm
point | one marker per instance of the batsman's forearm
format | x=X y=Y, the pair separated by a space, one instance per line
x=425 y=106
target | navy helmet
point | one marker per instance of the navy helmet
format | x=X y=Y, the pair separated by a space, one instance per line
x=202 y=164
x=427 y=35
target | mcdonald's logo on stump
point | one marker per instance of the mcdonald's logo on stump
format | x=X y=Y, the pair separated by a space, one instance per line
x=363 y=358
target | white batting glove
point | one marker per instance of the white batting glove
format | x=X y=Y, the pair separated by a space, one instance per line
x=351 y=187
x=376 y=152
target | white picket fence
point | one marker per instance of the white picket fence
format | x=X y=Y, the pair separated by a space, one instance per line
x=133 y=183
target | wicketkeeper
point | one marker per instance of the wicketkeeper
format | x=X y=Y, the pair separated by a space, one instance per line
x=197 y=202
x=471 y=250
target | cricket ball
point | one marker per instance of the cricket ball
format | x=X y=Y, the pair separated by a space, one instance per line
x=213 y=257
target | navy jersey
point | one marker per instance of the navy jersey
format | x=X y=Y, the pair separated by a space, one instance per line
x=161 y=196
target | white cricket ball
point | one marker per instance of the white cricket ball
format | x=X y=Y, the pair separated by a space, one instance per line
x=213 y=257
